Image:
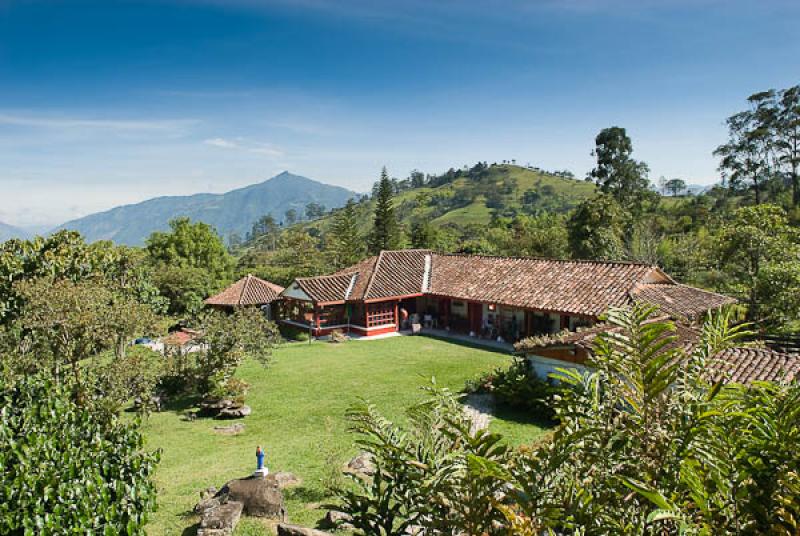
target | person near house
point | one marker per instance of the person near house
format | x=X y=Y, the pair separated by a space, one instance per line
x=403 y=318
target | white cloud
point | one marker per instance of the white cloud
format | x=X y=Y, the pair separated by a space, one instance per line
x=63 y=123
x=264 y=149
x=221 y=142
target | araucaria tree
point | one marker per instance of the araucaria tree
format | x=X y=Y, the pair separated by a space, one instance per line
x=344 y=245
x=617 y=173
x=386 y=228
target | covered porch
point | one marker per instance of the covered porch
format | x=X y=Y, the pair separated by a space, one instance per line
x=490 y=321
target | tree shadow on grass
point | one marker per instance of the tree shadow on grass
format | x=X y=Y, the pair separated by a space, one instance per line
x=523 y=416
x=181 y=403
x=305 y=495
x=467 y=344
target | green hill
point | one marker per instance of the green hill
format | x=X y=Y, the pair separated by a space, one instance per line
x=472 y=197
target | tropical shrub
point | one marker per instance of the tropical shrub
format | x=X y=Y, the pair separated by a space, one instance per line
x=69 y=468
x=434 y=474
x=519 y=387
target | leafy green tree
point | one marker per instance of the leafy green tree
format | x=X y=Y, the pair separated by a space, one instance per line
x=192 y=245
x=66 y=323
x=423 y=235
x=344 y=244
x=754 y=238
x=290 y=216
x=746 y=159
x=385 y=232
x=190 y=261
x=596 y=229
x=65 y=255
x=544 y=235
x=675 y=186
x=299 y=253
x=265 y=226
x=68 y=468
x=417 y=179
x=617 y=173
x=787 y=143
x=314 y=211
x=226 y=340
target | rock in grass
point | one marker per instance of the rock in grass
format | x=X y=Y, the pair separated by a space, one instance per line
x=233 y=429
x=261 y=497
x=296 y=530
x=286 y=479
x=221 y=520
x=336 y=519
x=362 y=465
x=234 y=412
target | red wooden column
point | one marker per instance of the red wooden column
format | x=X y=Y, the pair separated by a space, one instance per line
x=397 y=316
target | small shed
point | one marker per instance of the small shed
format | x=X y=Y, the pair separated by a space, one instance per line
x=249 y=291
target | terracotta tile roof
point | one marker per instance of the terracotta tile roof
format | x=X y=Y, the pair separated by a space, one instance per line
x=587 y=288
x=680 y=300
x=397 y=273
x=327 y=288
x=364 y=269
x=740 y=364
x=749 y=364
x=249 y=290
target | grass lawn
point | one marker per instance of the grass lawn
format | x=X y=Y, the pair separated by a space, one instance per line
x=298 y=405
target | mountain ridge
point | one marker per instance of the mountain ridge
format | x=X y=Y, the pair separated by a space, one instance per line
x=8 y=231
x=230 y=212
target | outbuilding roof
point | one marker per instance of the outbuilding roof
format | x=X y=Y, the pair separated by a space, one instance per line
x=249 y=290
x=739 y=364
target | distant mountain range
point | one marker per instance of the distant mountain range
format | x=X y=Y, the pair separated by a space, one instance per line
x=7 y=232
x=231 y=212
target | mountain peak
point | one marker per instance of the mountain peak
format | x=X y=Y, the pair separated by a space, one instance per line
x=229 y=213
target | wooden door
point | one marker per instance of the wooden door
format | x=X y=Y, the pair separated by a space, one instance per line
x=475 y=314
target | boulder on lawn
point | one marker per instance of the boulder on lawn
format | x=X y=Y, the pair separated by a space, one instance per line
x=296 y=530
x=336 y=519
x=233 y=429
x=220 y=520
x=261 y=496
x=361 y=465
x=286 y=479
x=234 y=412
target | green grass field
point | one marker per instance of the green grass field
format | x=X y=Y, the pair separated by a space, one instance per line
x=298 y=405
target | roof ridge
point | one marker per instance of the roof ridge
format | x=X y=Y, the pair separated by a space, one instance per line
x=328 y=276
x=549 y=259
x=374 y=271
x=246 y=285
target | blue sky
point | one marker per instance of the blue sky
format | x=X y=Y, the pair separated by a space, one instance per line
x=106 y=102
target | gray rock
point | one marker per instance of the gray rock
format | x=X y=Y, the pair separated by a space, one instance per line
x=295 y=530
x=233 y=429
x=207 y=503
x=336 y=519
x=260 y=496
x=221 y=520
x=286 y=479
x=363 y=465
x=234 y=412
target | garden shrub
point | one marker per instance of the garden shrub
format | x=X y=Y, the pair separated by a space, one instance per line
x=69 y=468
x=518 y=387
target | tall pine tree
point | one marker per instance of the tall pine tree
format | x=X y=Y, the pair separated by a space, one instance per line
x=386 y=229
x=344 y=244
